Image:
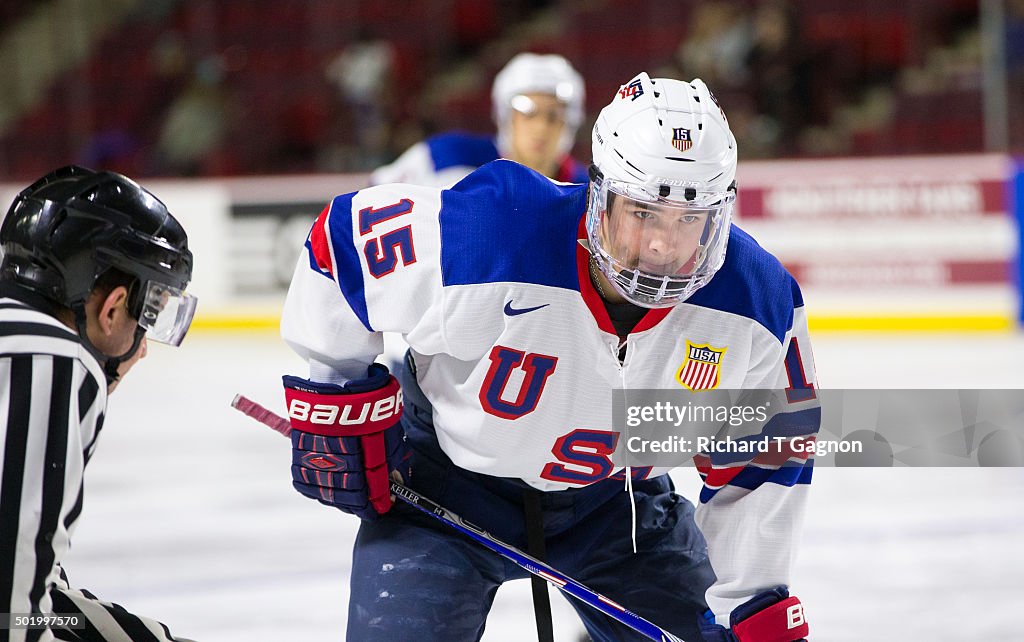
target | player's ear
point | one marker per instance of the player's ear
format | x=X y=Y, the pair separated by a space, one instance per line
x=112 y=308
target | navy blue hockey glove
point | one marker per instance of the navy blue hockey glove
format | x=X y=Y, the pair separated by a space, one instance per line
x=347 y=440
x=772 y=616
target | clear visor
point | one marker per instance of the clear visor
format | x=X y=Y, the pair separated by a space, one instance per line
x=550 y=107
x=679 y=194
x=658 y=236
x=658 y=245
x=166 y=313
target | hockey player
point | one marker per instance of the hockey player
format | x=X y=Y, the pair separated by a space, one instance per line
x=521 y=324
x=537 y=103
x=93 y=266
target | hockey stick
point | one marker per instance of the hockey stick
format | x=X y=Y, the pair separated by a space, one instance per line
x=535 y=567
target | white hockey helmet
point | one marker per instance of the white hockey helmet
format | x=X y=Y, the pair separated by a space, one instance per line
x=529 y=73
x=664 y=155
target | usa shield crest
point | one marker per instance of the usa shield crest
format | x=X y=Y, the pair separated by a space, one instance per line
x=681 y=138
x=702 y=368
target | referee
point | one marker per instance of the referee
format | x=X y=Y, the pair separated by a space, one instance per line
x=93 y=266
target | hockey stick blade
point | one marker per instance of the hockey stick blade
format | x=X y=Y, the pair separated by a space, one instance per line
x=533 y=566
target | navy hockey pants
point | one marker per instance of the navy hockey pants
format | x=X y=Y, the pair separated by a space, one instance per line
x=415 y=579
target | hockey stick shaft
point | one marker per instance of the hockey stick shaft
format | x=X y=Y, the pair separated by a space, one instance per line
x=533 y=566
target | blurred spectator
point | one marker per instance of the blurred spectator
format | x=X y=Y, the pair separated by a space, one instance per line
x=780 y=68
x=1014 y=44
x=115 y=150
x=475 y=24
x=305 y=122
x=1015 y=34
x=717 y=45
x=196 y=123
x=363 y=74
x=807 y=86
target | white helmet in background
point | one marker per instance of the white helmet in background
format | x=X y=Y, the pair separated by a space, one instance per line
x=662 y=190
x=529 y=73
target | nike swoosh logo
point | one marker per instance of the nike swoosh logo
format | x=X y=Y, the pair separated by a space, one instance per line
x=510 y=311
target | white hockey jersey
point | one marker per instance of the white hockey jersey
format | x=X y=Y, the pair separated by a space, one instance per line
x=515 y=350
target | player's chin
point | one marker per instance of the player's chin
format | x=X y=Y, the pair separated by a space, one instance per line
x=541 y=150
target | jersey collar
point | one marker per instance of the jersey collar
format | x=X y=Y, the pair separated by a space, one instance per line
x=592 y=298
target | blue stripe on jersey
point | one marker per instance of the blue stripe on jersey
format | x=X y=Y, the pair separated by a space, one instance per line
x=798 y=296
x=802 y=423
x=788 y=475
x=347 y=269
x=312 y=259
x=457 y=149
x=508 y=205
x=752 y=477
x=753 y=284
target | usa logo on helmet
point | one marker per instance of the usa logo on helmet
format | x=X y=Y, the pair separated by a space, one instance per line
x=681 y=138
x=633 y=90
x=701 y=370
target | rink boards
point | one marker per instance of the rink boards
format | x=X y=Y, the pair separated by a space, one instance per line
x=878 y=244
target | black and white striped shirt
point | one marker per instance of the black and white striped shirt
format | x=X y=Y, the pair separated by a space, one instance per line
x=53 y=397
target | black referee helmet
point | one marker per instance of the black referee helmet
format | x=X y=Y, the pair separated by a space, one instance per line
x=69 y=227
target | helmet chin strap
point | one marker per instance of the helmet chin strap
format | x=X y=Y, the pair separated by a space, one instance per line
x=109 y=363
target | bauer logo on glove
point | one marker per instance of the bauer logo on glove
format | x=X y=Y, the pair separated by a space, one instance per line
x=364 y=411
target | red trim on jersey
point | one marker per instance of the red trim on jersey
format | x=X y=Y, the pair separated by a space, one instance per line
x=319 y=244
x=651 y=319
x=719 y=477
x=593 y=299
x=568 y=170
x=590 y=294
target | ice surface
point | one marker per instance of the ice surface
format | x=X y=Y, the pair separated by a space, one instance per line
x=190 y=516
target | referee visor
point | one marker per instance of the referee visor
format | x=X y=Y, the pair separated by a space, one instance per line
x=166 y=313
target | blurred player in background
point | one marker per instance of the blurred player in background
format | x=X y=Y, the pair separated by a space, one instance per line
x=93 y=266
x=521 y=324
x=537 y=102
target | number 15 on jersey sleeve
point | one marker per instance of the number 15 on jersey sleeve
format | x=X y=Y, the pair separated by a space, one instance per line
x=383 y=252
